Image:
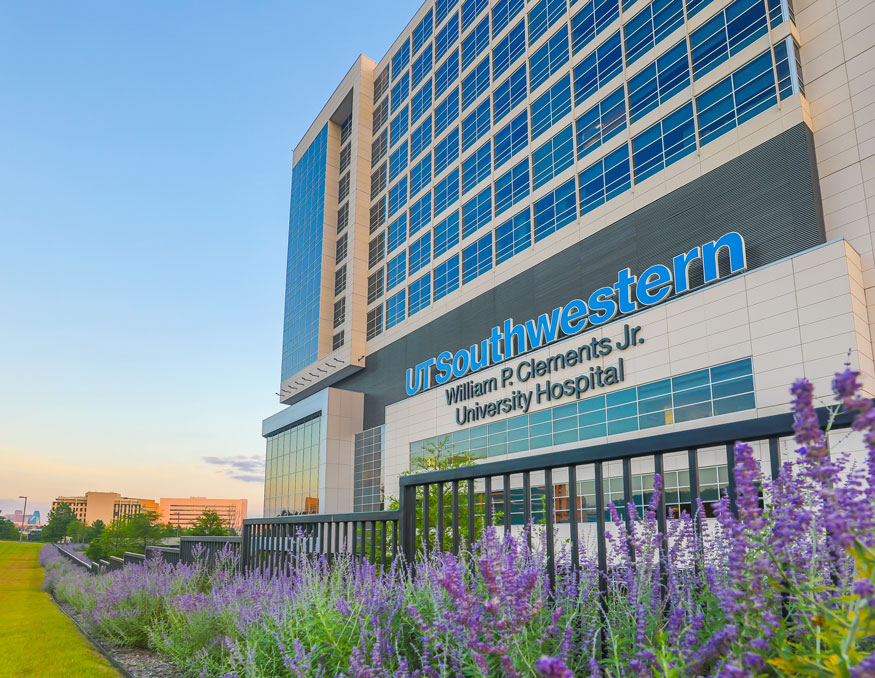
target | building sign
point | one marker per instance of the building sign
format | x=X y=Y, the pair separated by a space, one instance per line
x=627 y=295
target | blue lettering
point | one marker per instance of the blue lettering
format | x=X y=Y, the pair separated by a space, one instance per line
x=737 y=256
x=602 y=300
x=543 y=330
x=654 y=285
x=444 y=368
x=573 y=317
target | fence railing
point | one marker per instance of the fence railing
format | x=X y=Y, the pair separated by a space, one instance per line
x=77 y=559
x=205 y=547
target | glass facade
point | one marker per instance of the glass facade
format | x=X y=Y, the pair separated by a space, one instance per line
x=304 y=267
x=291 y=471
x=368 y=472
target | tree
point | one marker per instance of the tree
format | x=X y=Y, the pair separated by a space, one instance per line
x=141 y=530
x=209 y=524
x=56 y=527
x=8 y=531
x=95 y=530
x=77 y=531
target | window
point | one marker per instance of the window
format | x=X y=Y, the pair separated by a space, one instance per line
x=549 y=58
x=508 y=49
x=340 y=248
x=446 y=192
x=551 y=106
x=420 y=213
x=476 y=168
x=401 y=59
x=513 y=236
x=696 y=6
x=420 y=103
x=446 y=112
x=398 y=161
x=511 y=138
x=651 y=25
x=381 y=84
x=605 y=179
x=339 y=312
x=378 y=214
x=789 y=68
x=343 y=188
x=442 y=8
x=345 y=129
x=658 y=82
x=399 y=126
x=474 y=44
x=446 y=151
x=420 y=253
x=378 y=181
x=397 y=196
x=343 y=217
x=503 y=12
x=446 y=234
x=476 y=212
x=475 y=125
x=446 y=74
x=736 y=98
x=591 y=20
x=379 y=148
x=471 y=10
x=509 y=93
x=659 y=146
x=375 y=322
x=555 y=210
x=376 y=250
x=394 y=310
x=446 y=277
x=477 y=258
x=446 y=37
x=543 y=15
x=553 y=157
x=396 y=270
x=420 y=175
x=421 y=67
x=601 y=122
x=475 y=83
x=420 y=294
x=420 y=139
x=780 y=11
x=345 y=155
x=337 y=341
x=375 y=285
x=423 y=30
x=512 y=187
x=397 y=233
x=400 y=91
x=598 y=68
x=726 y=34
x=340 y=280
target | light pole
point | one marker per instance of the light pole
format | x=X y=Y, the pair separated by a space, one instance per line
x=23 y=517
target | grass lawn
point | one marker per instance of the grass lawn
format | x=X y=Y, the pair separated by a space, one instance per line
x=38 y=639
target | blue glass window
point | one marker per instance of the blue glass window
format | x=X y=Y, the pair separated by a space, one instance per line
x=442 y=8
x=397 y=233
x=553 y=157
x=446 y=234
x=477 y=258
x=400 y=91
x=421 y=138
x=726 y=34
x=397 y=196
x=651 y=25
x=446 y=151
x=696 y=6
x=446 y=192
x=591 y=20
x=446 y=74
x=446 y=277
x=422 y=66
x=475 y=83
x=398 y=161
x=395 y=309
x=422 y=32
x=446 y=37
x=550 y=107
x=420 y=213
x=420 y=175
x=475 y=43
x=471 y=10
x=543 y=15
x=475 y=125
x=476 y=212
x=658 y=82
x=398 y=127
x=660 y=145
x=396 y=270
x=420 y=253
x=401 y=59
x=513 y=236
x=476 y=168
x=511 y=187
x=446 y=112
x=789 y=67
x=601 y=122
x=420 y=294
x=555 y=210
x=420 y=103
x=502 y=13
x=780 y=11
x=509 y=93
x=508 y=49
x=511 y=138
x=549 y=58
x=598 y=68
x=605 y=179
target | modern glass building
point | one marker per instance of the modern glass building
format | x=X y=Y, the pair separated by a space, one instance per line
x=540 y=225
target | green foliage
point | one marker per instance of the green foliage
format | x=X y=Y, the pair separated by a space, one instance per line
x=210 y=524
x=132 y=533
x=94 y=530
x=60 y=518
x=8 y=531
x=77 y=531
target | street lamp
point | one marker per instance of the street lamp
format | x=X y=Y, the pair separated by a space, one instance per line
x=23 y=517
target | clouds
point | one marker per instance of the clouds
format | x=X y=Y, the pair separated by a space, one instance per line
x=240 y=467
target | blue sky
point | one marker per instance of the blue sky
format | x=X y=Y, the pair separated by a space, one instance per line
x=145 y=162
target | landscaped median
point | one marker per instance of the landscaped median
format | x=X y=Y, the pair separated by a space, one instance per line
x=38 y=639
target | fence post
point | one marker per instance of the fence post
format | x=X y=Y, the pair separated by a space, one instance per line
x=244 y=548
x=407 y=521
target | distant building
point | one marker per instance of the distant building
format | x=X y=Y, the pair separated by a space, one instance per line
x=18 y=518
x=105 y=506
x=182 y=512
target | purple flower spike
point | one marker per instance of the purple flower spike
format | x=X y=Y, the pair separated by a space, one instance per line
x=553 y=667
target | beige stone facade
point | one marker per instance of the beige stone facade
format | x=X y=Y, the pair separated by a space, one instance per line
x=105 y=506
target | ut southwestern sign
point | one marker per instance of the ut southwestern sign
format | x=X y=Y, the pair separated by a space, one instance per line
x=628 y=294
